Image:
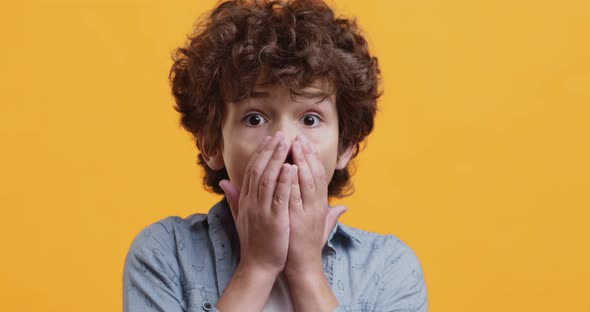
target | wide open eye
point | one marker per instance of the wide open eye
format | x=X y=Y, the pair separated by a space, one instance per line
x=311 y=120
x=254 y=119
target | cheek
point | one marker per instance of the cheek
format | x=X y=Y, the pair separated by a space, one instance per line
x=329 y=162
x=237 y=154
x=328 y=154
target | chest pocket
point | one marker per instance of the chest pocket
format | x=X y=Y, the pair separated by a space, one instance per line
x=200 y=298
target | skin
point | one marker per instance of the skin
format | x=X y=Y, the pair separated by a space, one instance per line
x=281 y=210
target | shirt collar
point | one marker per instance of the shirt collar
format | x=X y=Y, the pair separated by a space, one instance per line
x=219 y=213
x=341 y=230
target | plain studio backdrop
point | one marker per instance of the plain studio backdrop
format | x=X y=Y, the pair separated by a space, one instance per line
x=478 y=161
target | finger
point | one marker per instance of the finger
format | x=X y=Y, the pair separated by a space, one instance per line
x=295 y=202
x=259 y=162
x=280 y=200
x=246 y=178
x=315 y=165
x=233 y=195
x=268 y=180
x=306 y=183
x=332 y=218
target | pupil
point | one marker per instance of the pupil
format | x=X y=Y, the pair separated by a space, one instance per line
x=254 y=119
x=308 y=121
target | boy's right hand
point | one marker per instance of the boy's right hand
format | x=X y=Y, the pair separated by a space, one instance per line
x=260 y=210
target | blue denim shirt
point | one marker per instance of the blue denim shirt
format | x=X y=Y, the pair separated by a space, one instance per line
x=185 y=264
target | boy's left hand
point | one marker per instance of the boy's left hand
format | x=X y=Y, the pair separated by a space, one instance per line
x=310 y=218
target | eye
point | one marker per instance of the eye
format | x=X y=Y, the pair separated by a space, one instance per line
x=254 y=119
x=311 y=120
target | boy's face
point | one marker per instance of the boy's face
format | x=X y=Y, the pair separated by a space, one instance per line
x=271 y=109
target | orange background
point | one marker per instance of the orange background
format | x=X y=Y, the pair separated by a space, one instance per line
x=479 y=158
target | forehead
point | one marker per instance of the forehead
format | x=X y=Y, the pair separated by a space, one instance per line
x=320 y=89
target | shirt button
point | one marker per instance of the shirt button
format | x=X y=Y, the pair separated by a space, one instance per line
x=207 y=306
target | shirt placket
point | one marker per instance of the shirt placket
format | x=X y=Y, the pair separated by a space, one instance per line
x=329 y=254
x=224 y=264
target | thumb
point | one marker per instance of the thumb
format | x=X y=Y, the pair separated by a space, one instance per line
x=332 y=218
x=233 y=195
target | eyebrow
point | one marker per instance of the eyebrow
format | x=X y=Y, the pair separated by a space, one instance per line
x=321 y=95
x=259 y=94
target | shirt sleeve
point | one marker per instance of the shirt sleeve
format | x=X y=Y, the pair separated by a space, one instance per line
x=150 y=275
x=402 y=287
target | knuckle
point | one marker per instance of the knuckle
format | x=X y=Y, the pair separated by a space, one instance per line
x=321 y=176
x=295 y=198
x=266 y=181
x=283 y=178
x=256 y=171
x=268 y=147
x=278 y=200
x=308 y=185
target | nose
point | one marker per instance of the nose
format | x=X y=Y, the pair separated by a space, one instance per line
x=288 y=131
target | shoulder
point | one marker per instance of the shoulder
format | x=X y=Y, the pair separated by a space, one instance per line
x=167 y=235
x=156 y=248
x=392 y=253
x=385 y=270
x=387 y=242
x=153 y=272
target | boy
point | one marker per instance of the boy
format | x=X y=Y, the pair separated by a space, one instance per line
x=278 y=96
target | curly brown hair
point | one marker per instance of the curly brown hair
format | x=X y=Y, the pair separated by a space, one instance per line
x=291 y=42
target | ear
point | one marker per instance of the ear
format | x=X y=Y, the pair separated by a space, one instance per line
x=214 y=160
x=344 y=157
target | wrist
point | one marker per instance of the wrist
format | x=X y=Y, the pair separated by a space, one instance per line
x=311 y=291
x=248 y=289
x=257 y=273
x=312 y=269
x=305 y=275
